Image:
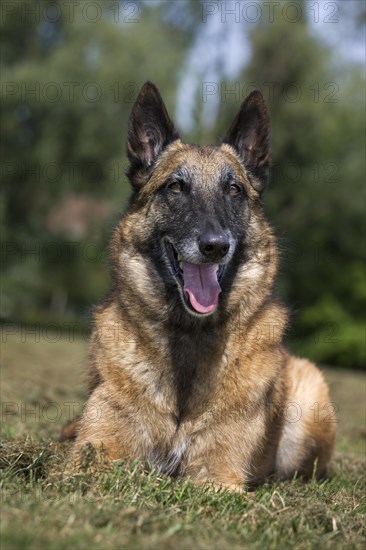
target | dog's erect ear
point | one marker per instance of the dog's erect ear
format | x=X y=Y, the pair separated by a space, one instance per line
x=150 y=130
x=250 y=135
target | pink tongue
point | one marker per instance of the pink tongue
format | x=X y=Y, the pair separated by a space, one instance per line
x=201 y=285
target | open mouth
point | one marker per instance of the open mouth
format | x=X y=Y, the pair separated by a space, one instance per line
x=200 y=283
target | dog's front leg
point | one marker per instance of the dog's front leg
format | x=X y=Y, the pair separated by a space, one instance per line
x=103 y=426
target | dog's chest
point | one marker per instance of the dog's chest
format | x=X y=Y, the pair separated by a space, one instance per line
x=169 y=459
x=175 y=443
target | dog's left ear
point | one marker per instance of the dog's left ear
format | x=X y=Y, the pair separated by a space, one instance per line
x=250 y=136
x=150 y=130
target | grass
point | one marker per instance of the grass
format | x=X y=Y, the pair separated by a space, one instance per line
x=123 y=506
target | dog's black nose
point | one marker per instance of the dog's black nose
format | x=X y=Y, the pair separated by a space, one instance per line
x=214 y=246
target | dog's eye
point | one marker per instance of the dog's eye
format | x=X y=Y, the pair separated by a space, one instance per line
x=234 y=189
x=175 y=186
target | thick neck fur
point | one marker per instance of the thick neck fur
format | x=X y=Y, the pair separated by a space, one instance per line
x=188 y=358
x=180 y=350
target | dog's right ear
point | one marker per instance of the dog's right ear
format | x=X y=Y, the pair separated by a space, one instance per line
x=150 y=130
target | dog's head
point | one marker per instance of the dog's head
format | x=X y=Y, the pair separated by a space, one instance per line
x=199 y=207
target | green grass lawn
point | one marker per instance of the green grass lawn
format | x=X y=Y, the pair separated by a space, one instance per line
x=122 y=506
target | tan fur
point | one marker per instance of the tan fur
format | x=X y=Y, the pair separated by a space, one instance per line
x=234 y=426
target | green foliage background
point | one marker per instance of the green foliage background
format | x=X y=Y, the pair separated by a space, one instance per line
x=67 y=90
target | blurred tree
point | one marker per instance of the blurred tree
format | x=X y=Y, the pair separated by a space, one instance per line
x=316 y=197
x=68 y=86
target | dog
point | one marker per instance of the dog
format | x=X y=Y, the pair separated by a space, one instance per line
x=187 y=371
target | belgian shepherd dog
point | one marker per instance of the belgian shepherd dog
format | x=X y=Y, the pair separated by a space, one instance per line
x=187 y=371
